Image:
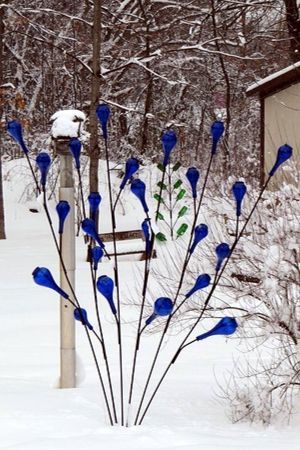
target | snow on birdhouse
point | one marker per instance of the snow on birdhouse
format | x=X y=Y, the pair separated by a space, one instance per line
x=67 y=123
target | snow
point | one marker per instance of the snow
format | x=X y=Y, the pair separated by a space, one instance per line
x=7 y=86
x=36 y=415
x=67 y=123
x=273 y=76
x=123 y=5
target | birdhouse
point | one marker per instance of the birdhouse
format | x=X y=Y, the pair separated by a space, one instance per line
x=279 y=96
x=67 y=124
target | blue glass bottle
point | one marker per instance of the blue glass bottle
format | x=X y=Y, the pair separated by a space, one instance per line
x=97 y=254
x=202 y=282
x=201 y=231
x=217 y=130
x=193 y=176
x=43 y=162
x=75 y=148
x=169 y=140
x=146 y=232
x=94 y=200
x=284 y=153
x=138 y=188
x=103 y=113
x=225 y=326
x=105 y=286
x=163 y=306
x=239 y=190
x=89 y=228
x=43 y=277
x=131 y=167
x=14 y=129
x=62 y=209
x=222 y=252
x=80 y=314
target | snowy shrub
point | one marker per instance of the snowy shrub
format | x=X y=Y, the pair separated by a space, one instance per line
x=260 y=286
x=270 y=329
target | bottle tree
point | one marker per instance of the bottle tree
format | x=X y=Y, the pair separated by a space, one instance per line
x=165 y=309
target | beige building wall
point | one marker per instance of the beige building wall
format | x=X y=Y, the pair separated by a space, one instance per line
x=282 y=126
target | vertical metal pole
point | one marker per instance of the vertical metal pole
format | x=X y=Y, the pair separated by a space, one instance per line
x=67 y=322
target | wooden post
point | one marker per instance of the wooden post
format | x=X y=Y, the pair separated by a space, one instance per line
x=67 y=322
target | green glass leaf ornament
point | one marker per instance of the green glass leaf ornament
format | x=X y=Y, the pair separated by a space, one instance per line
x=158 y=198
x=160 y=167
x=176 y=166
x=177 y=184
x=161 y=185
x=181 y=194
x=182 y=212
x=161 y=237
x=182 y=229
x=160 y=216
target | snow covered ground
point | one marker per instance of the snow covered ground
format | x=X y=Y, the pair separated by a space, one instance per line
x=36 y=415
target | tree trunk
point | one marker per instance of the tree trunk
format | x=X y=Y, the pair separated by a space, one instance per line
x=228 y=92
x=95 y=92
x=149 y=89
x=293 y=24
x=145 y=127
x=2 y=221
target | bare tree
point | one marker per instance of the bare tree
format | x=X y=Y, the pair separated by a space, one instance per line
x=2 y=221
x=293 y=25
x=192 y=60
x=94 y=97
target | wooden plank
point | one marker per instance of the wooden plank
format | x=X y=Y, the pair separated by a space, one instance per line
x=245 y=278
x=122 y=235
x=135 y=252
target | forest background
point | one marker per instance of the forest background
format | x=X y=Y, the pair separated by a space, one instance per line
x=157 y=63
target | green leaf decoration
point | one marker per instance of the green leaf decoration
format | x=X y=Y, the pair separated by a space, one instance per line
x=182 y=229
x=177 y=184
x=176 y=166
x=160 y=216
x=161 y=185
x=181 y=194
x=182 y=211
x=158 y=198
x=161 y=237
x=160 y=167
